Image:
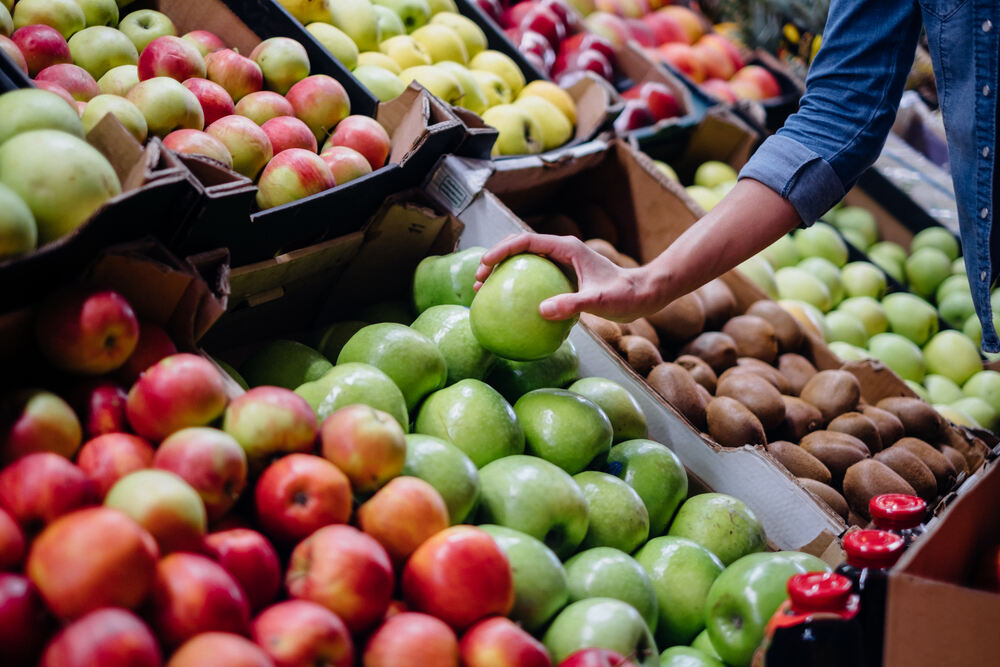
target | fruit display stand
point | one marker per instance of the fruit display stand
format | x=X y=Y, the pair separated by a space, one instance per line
x=639 y=69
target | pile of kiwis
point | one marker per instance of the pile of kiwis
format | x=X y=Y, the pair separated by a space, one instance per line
x=743 y=379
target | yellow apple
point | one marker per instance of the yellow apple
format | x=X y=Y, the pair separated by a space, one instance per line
x=442 y=7
x=306 y=11
x=554 y=94
x=358 y=19
x=473 y=99
x=438 y=81
x=441 y=43
x=496 y=89
x=472 y=35
x=378 y=59
x=556 y=129
x=337 y=42
x=405 y=51
x=520 y=134
x=382 y=83
x=502 y=66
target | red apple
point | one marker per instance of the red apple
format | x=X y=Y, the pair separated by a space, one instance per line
x=641 y=32
x=58 y=90
x=499 y=642
x=684 y=59
x=746 y=89
x=238 y=74
x=367 y=444
x=512 y=15
x=610 y=27
x=87 y=330
x=299 y=633
x=344 y=570
x=101 y=405
x=215 y=101
x=8 y=46
x=193 y=594
x=204 y=41
x=402 y=515
x=24 y=624
x=109 y=457
x=659 y=99
x=208 y=459
x=268 y=421
x=768 y=85
x=300 y=493
x=105 y=637
x=246 y=142
x=291 y=175
x=179 y=391
x=41 y=46
x=411 y=638
x=264 y=105
x=365 y=135
x=197 y=142
x=530 y=42
x=714 y=62
x=250 y=558
x=636 y=114
x=569 y=17
x=289 y=132
x=92 y=558
x=320 y=102
x=154 y=344
x=12 y=543
x=459 y=575
x=586 y=60
x=720 y=43
x=395 y=607
x=586 y=40
x=171 y=56
x=165 y=505
x=545 y=22
x=720 y=90
x=345 y=163
x=692 y=22
x=219 y=648
x=596 y=657
x=33 y=420
x=76 y=80
x=491 y=8
x=665 y=28
x=38 y=488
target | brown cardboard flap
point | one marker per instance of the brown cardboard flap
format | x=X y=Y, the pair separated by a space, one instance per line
x=595 y=99
x=408 y=117
x=130 y=161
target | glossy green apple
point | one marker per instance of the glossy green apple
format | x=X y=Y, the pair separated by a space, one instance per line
x=446 y=279
x=627 y=419
x=911 y=316
x=856 y=219
x=604 y=623
x=869 y=311
x=448 y=327
x=686 y=656
x=603 y=572
x=475 y=418
x=720 y=523
x=407 y=356
x=900 y=354
x=505 y=315
x=284 y=363
x=821 y=240
x=655 y=473
x=618 y=517
x=540 y=583
x=413 y=13
x=985 y=385
x=389 y=23
x=347 y=384
x=445 y=467
x=529 y=494
x=826 y=271
x=514 y=379
x=808 y=561
x=704 y=644
x=682 y=572
x=563 y=428
x=863 y=279
x=954 y=355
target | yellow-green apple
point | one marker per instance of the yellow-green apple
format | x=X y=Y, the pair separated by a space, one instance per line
x=194 y=594
x=119 y=80
x=222 y=648
x=389 y=23
x=596 y=657
x=601 y=623
x=439 y=81
x=347 y=384
x=610 y=573
x=87 y=330
x=38 y=488
x=412 y=13
x=665 y=28
x=41 y=46
x=18 y=231
x=109 y=457
x=953 y=355
x=499 y=642
x=283 y=62
x=555 y=127
x=501 y=65
x=167 y=105
x=250 y=559
x=215 y=101
x=563 y=428
x=687 y=656
x=402 y=515
x=154 y=344
x=494 y=88
x=208 y=459
x=179 y=391
x=300 y=493
x=365 y=135
x=760 y=76
x=24 y=621
x=448 y=327
x=164 y=504
x=289 y=132
x=101 y=48
x=440 y=43
x=293 y=174
x=337 y=42
x=269 y=421
x=38 y=421
x=320 y=102
x=472 y=35
x=204 y=41
x=459 y=575
x=92 y=558
x=720 y=523
x=618 y=517
x=12 y=543
x=368 y=445
x=533 y=496
x=144 y=25
x=540 y=583
x=76 y=80
x=405 y=51
x=60 y=91
x=346 y=571
x=655 y=473
x=473 y=97
x=346 y=164
x=610 y=27
x=910 y=316
x=713 y=173
x=197 y=142
x=412 y=638
x=357 y=18
x=295 y=633
x=264 y=105
x=100 y=12
x=66 y=16
x=447 y=469
x=627 y=419
x=379 y=81
x=440 y=6
x=246 y=142
x=239 y=75
x=112 y=637
x=126 y=112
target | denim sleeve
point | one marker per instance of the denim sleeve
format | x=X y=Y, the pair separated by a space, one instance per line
x=852 y=93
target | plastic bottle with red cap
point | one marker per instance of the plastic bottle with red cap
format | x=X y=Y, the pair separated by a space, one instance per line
x=899 y=513
x=816 y=626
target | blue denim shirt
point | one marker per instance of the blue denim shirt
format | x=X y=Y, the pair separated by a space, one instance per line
x=852 y=94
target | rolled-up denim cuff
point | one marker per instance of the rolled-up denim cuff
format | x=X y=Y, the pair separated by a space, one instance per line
x=796 y=173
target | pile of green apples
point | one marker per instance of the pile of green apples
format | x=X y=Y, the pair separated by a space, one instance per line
x=606 y=548
x=713 y=179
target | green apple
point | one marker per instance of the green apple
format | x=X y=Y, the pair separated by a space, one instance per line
x=126 y=112
x=473 y=97
x=405 y=51
x=942 y=389
x=704 y=644
x=847 y=352
x=666 y=170
x=448 y=327
x=337 y=42
x=357 y=18
x=655 y=473
x=926 y=269
x=604 y=572
x=389 y=23
x=760 y=272
x=958 y=266
x=446 y=279
x=284 y=363
x=232 y=372
x=514 y=379
x=782 y=252
x=858 y=220
x=911 y=316
x=707 y=198
x=519 y=132
x=66 y=16
x=475 y=418
x=496 y=90
x=34 y=109
x=720 y=523
x=808 y=561
x=439 y=6
x=863 y=279
x=957 y=308
x=938 y=238
x=144 y=25
x=441 y=43
x=627 y=419
x=919 y=390
x=119 y=80
x=563 y=428
x=855 y=238
x=556 y=128
x=846 y=328
x=99 y=13
x=826 y=271
x=540 y=582
x=378 y=59
x=985 y=385
x=445 y=467
x=618 y=517
x=953 y=284
x=890 y=257
x=869 y=311
x=712 y=173
x=603 y=623
x=412 y=13
x=795 y=283
x=412 y=360
x=821 y=240
x=686 y=656
x=399 y=312
x=6 y=21
x=956 y=416
x=954 y=355
x=504 y=313
x=471 y=34
x=18 y=232
x=330 y=341
x=439 y=81
x=100 y=49
x=347 y=384
x=535 y=497
x=979 y=410
x=682 y=572
x=900 y=354
x=807 y=315
x=379 y=81
x=167 y=105
x=501 y=65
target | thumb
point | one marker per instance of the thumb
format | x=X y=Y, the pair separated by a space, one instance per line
x=560 y=307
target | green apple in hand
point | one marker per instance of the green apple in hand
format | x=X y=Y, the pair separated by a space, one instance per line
x=604 y=623
x=446 y=279
x=627 y=419
x=655 y=473
x=603 y=572
x=720 y=523
x=514 y=379
x=347 y=384
x=618 y=518
x=448 y=327
x=445 y=467
x=563 y=428
x=540 y=583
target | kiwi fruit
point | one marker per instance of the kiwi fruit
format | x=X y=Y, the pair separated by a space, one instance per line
x=868 y=478
x=642 y=327
x=754 y=337
x=731 y=424
x=785 y=327
x=908 y=465
x=833 y=392
x=717 y=349
x=798 y=461
x=639 y=353
x=603 y=248
x=957 y=460
x=797 y=370
x=766 y=371
x=919 y=419
x=681 y=319
x=610 y=332
x=705 y=396
x=944 y=471
x=828 y=495
x=855 y=520
x=699 y=370
x=718 y=301
x=677 y=386
x=757 y=394
x=861 y=427
x=801 y=418
x=837 y=451
x=890 y=429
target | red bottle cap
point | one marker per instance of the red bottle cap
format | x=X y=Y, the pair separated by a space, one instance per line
x=873 y=548
x=819 y=591
x=897 y=511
